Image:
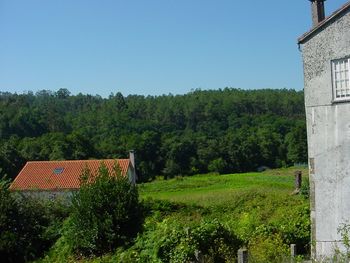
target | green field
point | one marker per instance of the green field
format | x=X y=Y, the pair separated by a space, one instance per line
x=213 y=189
x=218 y=214
x=261 y=209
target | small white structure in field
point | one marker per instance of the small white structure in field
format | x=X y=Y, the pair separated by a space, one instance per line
x=326 y=57
x=59 y=179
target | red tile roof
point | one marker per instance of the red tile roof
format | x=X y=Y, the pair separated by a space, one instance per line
x=325 y=22
x=41 y=175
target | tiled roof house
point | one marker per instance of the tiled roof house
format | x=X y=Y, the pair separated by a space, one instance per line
x=61 y=177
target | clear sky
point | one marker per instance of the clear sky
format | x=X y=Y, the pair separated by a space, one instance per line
x=152 y=47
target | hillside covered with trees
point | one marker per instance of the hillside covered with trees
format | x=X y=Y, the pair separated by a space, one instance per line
x=225 y=131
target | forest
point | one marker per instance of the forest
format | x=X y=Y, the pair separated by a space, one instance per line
x=195 y=148
x=225 y=131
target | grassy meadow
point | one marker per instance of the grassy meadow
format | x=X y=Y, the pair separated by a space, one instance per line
x=260 y=209
x=214 y=189
x=216 y=215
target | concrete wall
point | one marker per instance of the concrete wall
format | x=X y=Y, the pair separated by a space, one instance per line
x=63 y=195
x=328 y=131
x=132 y=175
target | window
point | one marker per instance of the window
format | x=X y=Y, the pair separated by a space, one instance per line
x=58 y=170
x=341 y=83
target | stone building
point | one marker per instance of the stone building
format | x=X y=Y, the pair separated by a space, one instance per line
x=326 y=58
x=60 y=179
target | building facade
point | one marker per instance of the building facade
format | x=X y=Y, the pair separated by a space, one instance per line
x=326 y=59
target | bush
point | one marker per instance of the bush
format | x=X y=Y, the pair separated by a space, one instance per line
x=105 y=214
x=305 y=188
x=268 y=249
x=175 y=242
x=28 y=226
x=209 y=242
x=218 y=165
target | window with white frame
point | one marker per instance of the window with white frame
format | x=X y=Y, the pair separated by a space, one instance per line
x=341 y=81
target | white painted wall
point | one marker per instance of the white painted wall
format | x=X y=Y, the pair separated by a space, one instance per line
x=62 y=195
x=328 y=131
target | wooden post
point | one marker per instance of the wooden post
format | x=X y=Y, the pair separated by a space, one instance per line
x=298 y=180
x=242 y=255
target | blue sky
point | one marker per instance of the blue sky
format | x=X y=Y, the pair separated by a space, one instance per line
x=151 y=47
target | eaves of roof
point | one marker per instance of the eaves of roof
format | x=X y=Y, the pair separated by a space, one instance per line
x=324 y=23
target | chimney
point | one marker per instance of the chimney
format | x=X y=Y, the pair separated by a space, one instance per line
x=318 y=13
x=132 y=161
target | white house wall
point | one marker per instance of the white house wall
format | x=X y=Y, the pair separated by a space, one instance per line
x=63 y=195
x=328 y=131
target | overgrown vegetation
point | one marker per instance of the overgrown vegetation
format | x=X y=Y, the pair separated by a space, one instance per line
x=171 y=240
x=204 y=218
x=225 y=131
x=28 y=227
x=105 y=214
x=186 y=218
x=256 y=208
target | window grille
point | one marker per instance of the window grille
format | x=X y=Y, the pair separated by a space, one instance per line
x=341 y=82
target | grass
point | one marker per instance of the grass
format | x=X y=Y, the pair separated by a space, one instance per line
x=257 y=208
x=212 y=189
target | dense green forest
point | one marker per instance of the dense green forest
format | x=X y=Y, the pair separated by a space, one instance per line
x=227 y=130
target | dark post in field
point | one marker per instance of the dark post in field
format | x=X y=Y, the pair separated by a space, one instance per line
x=298 y=180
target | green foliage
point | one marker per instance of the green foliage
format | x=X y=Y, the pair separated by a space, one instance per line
x=216 y=216
x=268 y=249
x=105 y=213
x=344 y=231
x=226 y=130
x=305 y=188
x=11 y=160
x=217 y=165
x=173 y=241
x=258 y=208
x=296 y=143
x=209 y=240
x=28 y=226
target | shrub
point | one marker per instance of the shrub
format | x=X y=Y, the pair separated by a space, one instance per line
x=305 y=188
x=268 y=249
x=218 y=165
x=175 y=242
x=10 y=227
x=209 y=242
x=105 y=214
x=28 y=226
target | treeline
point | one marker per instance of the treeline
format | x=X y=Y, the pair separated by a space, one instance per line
x=226 y=130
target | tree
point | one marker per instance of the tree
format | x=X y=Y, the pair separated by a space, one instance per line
x=11 y=161
x=297 y=144
x=28 y=227
x=105 y=214
x=171 y=135
x=217 y=165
